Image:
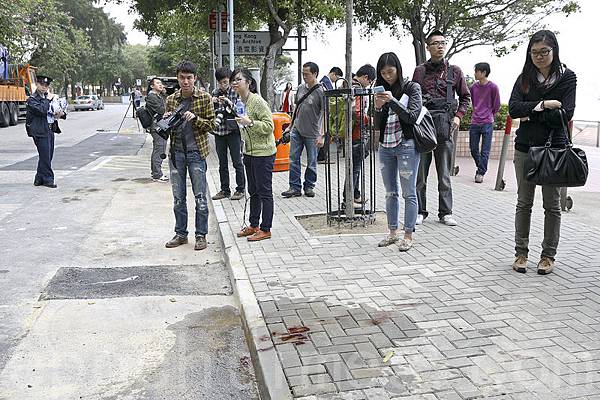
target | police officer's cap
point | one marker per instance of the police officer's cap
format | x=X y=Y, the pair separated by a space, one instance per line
x=43 y=79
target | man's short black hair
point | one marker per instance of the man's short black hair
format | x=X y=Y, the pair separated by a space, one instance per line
x=187 y=67
x=367 y=70
x=483 y=67
x=337 y=71
x=154 y=79
x=314 y=68
x=436 y=32
x=222 y=73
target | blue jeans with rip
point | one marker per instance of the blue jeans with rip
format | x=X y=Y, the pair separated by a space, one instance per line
x=403 y=161
x=485 y=133
x=297 y=145
x=195 y=164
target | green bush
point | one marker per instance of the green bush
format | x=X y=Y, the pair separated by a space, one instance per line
x=499 y=119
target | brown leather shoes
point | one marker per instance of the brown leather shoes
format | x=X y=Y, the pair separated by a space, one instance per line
x=176 y=241
x=247 y=231
x=200 y=243
x=259 y=235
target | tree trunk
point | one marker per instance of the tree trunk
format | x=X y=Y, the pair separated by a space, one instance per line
x=267 y=83
x=275 y=36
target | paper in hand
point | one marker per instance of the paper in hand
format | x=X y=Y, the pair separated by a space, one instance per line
x=404 y=100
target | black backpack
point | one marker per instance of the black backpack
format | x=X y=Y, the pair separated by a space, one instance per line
x=144 y=116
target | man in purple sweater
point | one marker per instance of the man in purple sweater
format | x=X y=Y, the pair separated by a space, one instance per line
x=485 y=97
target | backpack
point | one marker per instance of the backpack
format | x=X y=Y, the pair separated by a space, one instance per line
x=144 y=116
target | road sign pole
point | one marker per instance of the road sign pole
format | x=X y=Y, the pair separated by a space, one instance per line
x=219 y=37
x=231 y=37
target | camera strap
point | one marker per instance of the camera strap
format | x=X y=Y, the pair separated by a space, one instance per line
x=449 y=91
x=304 y=97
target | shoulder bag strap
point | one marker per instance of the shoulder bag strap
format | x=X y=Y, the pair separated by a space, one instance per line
x=449 y=90
x=312 y=89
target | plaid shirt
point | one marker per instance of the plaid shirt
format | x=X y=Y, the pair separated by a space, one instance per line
x=393 y=131
x=222 y=130
x=204 y=122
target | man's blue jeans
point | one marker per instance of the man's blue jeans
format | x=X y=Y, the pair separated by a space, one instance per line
x=485 y=132
x=402 y=160
x=196 y=165
x=297 y=145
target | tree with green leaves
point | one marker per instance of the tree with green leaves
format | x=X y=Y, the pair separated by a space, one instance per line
x=502 y=24
x=280 y=17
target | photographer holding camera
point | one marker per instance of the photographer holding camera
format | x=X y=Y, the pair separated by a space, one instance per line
x=189 y=149
x=155 y=104
x=227 y=136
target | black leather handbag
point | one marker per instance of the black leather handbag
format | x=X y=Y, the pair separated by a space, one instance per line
x=424 y=132
x=563 y=167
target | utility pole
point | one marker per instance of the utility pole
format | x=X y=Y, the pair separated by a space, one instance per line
x=348 y=142
x=299 y=30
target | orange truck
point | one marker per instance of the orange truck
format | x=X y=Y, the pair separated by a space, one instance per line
x=17 y=82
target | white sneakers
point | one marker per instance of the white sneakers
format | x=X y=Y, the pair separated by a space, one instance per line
x=448 y=220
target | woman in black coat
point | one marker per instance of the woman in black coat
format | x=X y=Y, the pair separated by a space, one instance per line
x=397 y=110
x=544 y=88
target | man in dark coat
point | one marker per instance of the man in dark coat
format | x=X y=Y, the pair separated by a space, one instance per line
x=39 y=126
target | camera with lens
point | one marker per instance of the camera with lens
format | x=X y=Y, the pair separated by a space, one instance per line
x=285 y=136
x=219 y=118
x=165 y=125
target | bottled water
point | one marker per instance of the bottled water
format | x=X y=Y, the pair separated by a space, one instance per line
x=239 y=108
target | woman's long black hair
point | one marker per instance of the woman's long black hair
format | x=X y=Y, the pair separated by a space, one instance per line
x=392 y=60
x=529 y=75
x=245 y=72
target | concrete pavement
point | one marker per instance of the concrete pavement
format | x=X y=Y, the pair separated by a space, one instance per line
x=92 y=305
x=447 y=320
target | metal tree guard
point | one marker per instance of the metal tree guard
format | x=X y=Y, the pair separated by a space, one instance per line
x=338 y=210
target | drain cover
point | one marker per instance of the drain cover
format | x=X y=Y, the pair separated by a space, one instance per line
x=162 y=280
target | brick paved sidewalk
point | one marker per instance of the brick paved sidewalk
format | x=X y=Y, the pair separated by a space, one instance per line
x=447 y=320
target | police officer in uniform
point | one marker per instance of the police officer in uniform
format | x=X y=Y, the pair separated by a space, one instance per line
x=39 y=126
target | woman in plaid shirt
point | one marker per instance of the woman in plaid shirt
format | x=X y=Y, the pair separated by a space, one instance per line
x=397 y=110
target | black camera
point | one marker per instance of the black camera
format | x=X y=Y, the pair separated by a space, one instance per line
x=165 y=125
x=285 y=136
x=219 y=118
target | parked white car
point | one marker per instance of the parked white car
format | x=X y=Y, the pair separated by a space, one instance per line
x=88 y=102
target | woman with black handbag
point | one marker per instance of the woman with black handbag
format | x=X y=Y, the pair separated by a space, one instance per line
x=397 y=110
x=543 y=88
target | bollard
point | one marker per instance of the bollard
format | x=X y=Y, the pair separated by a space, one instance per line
x=500 y=184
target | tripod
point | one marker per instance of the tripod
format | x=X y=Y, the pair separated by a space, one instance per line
x=132 y=106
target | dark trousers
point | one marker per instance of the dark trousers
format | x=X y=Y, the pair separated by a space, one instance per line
x=45 y=148
x=260 y=187
x=233 y=142
x=159 y=146
x=443 y=161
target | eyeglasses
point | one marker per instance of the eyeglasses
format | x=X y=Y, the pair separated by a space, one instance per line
x=438 y=43
x=543 y=52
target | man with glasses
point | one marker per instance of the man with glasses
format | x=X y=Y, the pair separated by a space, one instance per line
x=39 y=119
x=439 y=82
x=227 y=137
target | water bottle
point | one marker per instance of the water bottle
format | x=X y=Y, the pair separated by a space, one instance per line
x=239 y=108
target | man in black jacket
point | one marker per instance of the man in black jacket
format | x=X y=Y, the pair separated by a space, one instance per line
x=38 y=125
x=155 y=104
